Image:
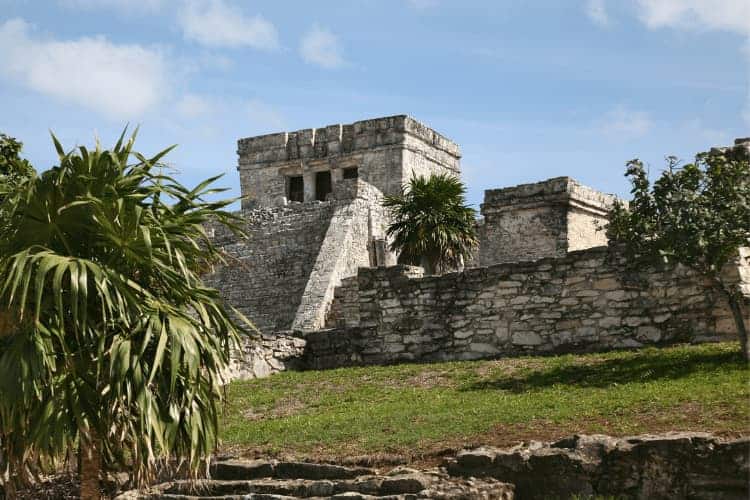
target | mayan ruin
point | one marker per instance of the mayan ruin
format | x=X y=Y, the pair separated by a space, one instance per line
x=317 y=278
x=375 y=250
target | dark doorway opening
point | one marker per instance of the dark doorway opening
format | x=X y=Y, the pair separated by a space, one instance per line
x=322 y=185
x=296 y=189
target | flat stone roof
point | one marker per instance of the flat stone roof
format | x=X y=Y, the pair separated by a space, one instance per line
x=555 y=190
x=340 y=139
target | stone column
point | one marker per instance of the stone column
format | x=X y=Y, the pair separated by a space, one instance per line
x=337 y=175
x=308 y=178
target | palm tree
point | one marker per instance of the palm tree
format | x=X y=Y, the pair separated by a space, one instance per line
x=109 y=342
x=431 y=224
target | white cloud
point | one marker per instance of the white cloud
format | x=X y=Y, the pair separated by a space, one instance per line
x=217 y=24
x=129 y=6
x=728 y=15
x=192 y=106
x=120 y=81
x=625 y=123
x=596 y=10
x=321 y=47
x=721 y=15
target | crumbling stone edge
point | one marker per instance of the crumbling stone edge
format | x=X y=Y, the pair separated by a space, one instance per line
x=674 y=465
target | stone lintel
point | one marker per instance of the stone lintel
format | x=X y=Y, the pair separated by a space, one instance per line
x=336 y=140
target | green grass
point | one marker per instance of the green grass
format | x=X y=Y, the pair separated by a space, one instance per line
x=417 y=410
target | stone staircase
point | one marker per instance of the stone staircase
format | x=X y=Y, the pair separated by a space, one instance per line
x=270 y=479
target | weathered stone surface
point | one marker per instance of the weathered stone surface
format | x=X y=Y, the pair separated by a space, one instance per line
x=668 y=466
x=265 y=355
x=313 y=265
x=695 y=466
x=234 y=470
x=454 y=317
x=386 y=151
x=542 y=219
x=308 y=470
x=288 y=480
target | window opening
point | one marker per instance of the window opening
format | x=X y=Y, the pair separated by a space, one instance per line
x=296 y=189
x=322 y=185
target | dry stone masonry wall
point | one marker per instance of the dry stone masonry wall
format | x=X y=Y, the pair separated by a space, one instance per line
x=585 y=301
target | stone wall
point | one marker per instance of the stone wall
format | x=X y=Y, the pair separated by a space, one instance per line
x=266 y=274
x=282 y=276
x=543 y=219
x=266 y=354
x=585 y=301
x=358 y=222
x=386 y=151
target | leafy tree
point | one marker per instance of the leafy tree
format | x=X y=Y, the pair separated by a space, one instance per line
x=109 y=342
x=13 y=168
x=697 y=215
x=431 y=224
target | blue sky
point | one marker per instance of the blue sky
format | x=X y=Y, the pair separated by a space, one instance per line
x=529 y=89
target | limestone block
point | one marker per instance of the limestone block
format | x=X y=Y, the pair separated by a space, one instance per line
x=649 y=333
x=483 y=348
x=526 y=338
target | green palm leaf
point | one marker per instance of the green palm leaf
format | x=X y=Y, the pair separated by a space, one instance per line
x=116 y=341
x=431 y=224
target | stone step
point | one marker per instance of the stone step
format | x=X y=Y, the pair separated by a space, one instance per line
x=255 y=469
x=261 y=496
x=235 y=479
x=302 y=488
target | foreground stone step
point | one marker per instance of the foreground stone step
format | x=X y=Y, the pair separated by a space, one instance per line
x=667 y=466
x=271 y=480
x=254 y=469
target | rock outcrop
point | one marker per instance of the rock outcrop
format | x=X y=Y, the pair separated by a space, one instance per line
x=667 y=466
x=695 y=466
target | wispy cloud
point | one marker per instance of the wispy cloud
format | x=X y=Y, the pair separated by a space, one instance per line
x=596 y=10
x=625 y=123
x=729 y=15
x=322 y=48
x=217 y=24
x=699 y=15
x=120 y=81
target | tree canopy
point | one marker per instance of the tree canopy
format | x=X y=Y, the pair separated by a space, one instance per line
x=696 y=214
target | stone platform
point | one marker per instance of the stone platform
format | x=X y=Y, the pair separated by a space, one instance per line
x=676 y=465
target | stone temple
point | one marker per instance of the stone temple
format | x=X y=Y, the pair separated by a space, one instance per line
x=317 y=279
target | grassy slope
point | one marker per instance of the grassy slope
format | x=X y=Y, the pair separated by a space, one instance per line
x=419 y=409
